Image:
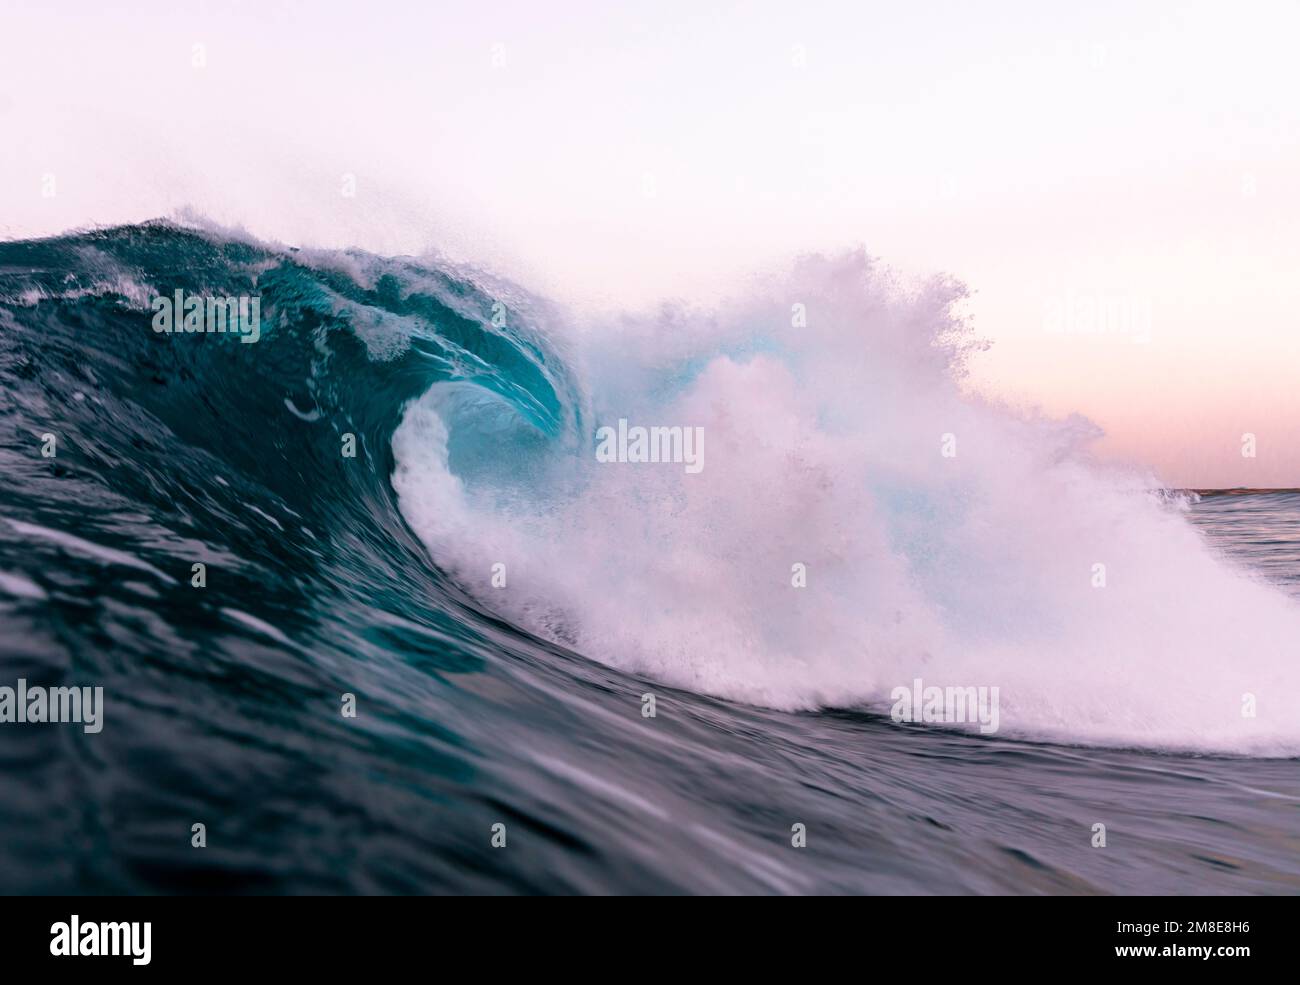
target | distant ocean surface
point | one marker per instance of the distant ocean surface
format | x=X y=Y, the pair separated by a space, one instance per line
x=1124 y=625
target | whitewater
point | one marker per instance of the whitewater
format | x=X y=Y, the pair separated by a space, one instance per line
x=943 y=535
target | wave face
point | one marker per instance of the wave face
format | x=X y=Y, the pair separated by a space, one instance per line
x=943 y=538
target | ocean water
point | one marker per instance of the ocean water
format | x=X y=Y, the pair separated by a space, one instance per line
x=498 y=604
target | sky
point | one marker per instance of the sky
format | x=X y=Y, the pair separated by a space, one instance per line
x=1117 y=183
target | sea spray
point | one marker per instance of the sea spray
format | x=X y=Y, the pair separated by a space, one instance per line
x=945 y=537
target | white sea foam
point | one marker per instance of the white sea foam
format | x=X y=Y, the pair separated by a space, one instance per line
x=826 y=449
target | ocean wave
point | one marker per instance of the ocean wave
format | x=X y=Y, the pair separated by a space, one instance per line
x=941 y=536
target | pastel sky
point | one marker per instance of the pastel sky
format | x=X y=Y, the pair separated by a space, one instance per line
x=1119 y=183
